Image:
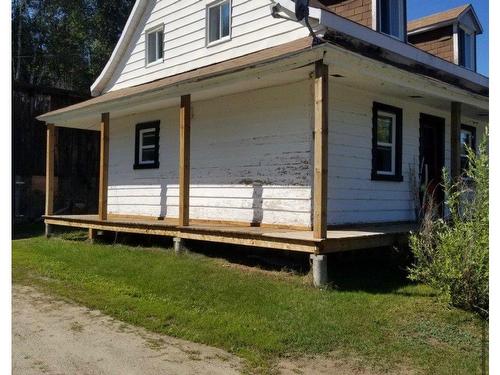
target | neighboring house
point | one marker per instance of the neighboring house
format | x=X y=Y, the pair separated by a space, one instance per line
x=76 y=158
x=229 y=122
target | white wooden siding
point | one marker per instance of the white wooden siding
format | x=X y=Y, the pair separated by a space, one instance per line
x=253 y=29
x=352 y=196
x=250 y=160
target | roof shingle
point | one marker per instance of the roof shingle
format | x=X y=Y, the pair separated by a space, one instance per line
x=436 y=18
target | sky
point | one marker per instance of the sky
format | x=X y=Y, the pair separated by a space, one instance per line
x=421 y=8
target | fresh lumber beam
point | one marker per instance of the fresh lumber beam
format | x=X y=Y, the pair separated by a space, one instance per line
x=103 y=167
x=49 y=174
x=320 y=150
x=184 y=159
x=456 y=119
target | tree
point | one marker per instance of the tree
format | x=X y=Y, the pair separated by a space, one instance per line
x=65 y=43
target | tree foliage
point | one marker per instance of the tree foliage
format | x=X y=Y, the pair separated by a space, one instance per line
x=452 y=255
x=65 y=43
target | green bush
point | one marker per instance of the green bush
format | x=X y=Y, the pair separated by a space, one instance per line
x=452 y=254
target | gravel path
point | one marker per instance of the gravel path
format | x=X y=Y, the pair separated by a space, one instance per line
x=55 y=337
x=51 y=336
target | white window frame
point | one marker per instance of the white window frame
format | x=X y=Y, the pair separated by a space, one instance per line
x=377 y=17
x=472 y=52
x=471 y=134
x=392 y=145
x=207 y=28
x=157 y=29
x=147 y=147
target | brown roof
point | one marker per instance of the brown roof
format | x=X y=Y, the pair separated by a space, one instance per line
x=441 y=17
x=235 y=64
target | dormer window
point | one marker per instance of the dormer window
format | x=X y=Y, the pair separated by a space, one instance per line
x=466 y=48
x=391 y=18
x=154 y=45
x=218 y=22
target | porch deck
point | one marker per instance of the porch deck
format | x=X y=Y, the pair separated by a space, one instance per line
x=338 y=239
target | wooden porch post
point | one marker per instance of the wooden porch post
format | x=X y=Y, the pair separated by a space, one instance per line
x=320 y=149
x=184 y=159
x=456 y=109
x=103 y=167
x=49 y=175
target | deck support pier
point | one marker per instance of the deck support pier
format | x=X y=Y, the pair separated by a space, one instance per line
x=103 y=167
x=320 y=184
x=319 y=270
x=92 y=235
x=456 y=114
x=179 y=245
x=49 y=176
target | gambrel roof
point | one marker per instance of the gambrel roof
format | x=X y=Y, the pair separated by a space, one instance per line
x=332 y=22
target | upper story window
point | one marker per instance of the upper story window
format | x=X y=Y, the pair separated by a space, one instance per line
x=387 y=139
x=218 y=21
x=466 y=48
x=147 y=145
x=391 y=18
x=154 y=45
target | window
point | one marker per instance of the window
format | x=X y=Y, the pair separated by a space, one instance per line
x=466 y=49
x=219 y=21
x=467 y=137
x=154 y=45
x=391 y=18
x=147 y=145
x=387 y=136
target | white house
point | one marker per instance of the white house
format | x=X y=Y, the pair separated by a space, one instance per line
x=228 y=121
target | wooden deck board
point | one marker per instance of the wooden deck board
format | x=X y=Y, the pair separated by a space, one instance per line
x=344 y=239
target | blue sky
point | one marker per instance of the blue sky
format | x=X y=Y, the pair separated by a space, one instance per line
x=420 y=8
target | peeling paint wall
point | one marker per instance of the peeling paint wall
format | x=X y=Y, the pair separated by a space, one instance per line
x=250 y=160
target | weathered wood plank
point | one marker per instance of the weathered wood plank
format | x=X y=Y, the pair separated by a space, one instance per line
x=49 y=174
x=103 y=167
x=456 y=119
x=184 y=159
x=320 y=195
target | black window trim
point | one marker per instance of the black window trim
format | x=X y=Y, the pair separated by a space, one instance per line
x=147 y=125
x=398 y=112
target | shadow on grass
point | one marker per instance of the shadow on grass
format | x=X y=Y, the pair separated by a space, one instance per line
x=376 y=271
x=27 y=230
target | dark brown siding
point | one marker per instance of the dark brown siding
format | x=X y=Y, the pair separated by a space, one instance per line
x=359 y=11
x=438 y=42
x=76 y=156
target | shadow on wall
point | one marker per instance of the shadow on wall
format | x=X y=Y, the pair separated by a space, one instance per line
x=257 y=203
x=257 y=207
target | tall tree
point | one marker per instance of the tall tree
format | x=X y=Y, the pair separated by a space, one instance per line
x=65 y=43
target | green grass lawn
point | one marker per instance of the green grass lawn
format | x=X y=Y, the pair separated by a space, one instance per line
x=373 y=315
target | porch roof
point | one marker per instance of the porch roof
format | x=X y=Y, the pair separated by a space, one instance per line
x=344 y=54
x=232 y=65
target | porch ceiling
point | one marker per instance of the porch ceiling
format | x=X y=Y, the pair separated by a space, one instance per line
x=289 y=64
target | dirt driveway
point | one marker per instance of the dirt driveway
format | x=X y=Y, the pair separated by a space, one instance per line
x=55 y=337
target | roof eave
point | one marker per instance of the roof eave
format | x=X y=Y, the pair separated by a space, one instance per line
x=121 y=46
x=376 y=39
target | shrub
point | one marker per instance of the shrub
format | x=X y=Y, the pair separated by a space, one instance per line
x=452 y=254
